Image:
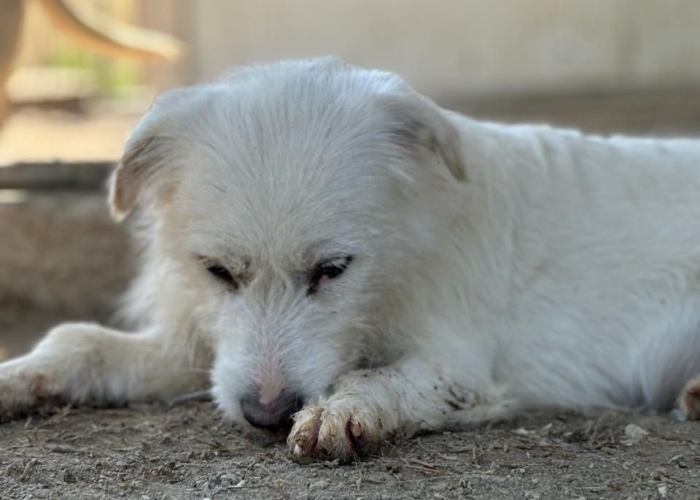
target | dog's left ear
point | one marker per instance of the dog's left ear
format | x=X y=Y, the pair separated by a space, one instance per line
x=420 y=125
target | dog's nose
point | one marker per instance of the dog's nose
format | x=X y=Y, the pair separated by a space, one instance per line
x=272 y=416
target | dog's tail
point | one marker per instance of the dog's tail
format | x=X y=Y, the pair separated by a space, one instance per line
x=102 y=34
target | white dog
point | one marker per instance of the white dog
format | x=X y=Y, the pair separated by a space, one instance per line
x=324 y=244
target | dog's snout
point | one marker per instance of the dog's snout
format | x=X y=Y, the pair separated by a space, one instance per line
x=274 y=415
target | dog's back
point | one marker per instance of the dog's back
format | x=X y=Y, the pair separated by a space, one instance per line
x=601 y=291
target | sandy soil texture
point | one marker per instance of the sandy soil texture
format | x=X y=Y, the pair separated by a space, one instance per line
x=188 y=452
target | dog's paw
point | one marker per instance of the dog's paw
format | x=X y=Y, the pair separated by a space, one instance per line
x=689 y=400
x=23 y=392
x=16 y=398
x=333 y=431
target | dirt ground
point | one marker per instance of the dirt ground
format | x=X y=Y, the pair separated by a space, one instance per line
x=61 y=258
x=187 y=452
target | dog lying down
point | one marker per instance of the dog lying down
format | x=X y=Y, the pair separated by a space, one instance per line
x=324 y=247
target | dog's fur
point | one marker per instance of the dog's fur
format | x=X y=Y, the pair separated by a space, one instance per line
x=490 y=269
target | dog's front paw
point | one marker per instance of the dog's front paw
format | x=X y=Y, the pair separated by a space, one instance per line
x=23 y=390
x=333 y=431
x=17 y=396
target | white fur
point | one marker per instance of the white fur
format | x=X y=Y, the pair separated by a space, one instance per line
x=495 y=268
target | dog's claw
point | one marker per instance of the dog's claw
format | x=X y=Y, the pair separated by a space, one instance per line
x=326 y=434
x=689 y=400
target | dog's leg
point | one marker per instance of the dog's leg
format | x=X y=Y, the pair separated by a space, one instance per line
x=87 y=363
x=369 y=407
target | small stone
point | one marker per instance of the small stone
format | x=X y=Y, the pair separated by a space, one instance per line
x=69 y=477
x=663 y=490
x=633 y=431
x=228 y=480
x=678 y=415
x=634 y=434
x=318 y=485
x=680 y=461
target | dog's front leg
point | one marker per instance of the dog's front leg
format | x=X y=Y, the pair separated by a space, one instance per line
x=87 y=363
x=369 y=407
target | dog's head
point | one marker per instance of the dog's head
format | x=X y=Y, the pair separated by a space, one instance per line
x=290 y=198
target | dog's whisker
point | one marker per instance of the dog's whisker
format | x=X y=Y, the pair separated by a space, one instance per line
x=191 y=370
x=192 y=396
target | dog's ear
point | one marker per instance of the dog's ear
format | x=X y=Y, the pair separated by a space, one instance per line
x=143 y=170
x=421 y=126
x=139 y=163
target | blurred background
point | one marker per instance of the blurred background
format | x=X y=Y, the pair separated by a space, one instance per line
x=628 y=66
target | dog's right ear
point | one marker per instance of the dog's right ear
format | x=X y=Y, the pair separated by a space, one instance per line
x=144 y=167
x=139 y=162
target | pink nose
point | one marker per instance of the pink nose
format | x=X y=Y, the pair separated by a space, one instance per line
x=274 y=415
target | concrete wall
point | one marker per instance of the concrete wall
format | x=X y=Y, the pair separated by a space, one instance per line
x=448 y=47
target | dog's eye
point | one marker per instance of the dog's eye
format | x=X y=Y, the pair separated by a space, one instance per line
x=327 y=271
x=222 y=274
